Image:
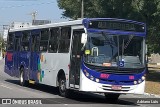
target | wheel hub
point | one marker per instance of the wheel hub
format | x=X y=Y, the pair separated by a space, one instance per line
x=21 y=78
x=62 y=85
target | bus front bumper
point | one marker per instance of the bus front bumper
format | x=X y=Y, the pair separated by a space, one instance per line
x=92 y=86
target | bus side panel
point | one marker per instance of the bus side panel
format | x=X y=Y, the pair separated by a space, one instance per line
x=51 y=64
x=9 y=63
x=16 y=64
x=34 y=60
x=24 y=62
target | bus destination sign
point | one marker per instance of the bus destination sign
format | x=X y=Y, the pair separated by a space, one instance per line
x=116 y=25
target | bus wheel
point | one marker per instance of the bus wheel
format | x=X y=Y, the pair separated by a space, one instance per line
x=62 y=87
x=22 y=80
x=111 y=97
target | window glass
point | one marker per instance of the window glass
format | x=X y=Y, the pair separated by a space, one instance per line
x=25 y=41
x=10 y=42
x=53 y=42
x=35 y=43
x=17 y=44
x=64 y=40
x=45 y=34
x=44 y=40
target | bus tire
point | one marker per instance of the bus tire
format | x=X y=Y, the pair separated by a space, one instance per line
x=111 y=96
x=62 y=87
x=21 y=79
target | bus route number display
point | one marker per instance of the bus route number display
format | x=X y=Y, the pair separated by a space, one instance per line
x=116 y=25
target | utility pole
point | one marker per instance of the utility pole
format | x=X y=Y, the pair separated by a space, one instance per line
x=0 y=46
x=33 y=15
x=82 y=9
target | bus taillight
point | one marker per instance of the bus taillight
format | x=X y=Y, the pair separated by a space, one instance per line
x=9 y=56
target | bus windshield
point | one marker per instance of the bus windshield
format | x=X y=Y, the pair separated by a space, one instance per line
x=111 y=50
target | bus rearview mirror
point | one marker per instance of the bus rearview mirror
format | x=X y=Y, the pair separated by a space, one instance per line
x=84 y=38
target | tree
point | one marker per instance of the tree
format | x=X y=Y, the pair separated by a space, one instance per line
x=1 y=42
x=98 y=8
x=147 y=11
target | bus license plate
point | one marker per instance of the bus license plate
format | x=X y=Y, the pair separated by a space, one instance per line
x=116 y=87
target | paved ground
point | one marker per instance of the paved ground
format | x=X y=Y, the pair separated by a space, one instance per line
x=10 y=88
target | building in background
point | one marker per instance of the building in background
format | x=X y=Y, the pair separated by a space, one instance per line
x=17 y=25
x=40 y=22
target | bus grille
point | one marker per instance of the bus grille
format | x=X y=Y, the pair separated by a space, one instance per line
x=113 y=70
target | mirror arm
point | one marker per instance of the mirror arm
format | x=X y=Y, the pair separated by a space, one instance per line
x=83 y=47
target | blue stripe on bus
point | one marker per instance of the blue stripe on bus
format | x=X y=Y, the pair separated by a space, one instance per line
x=117 y=32
x=114 y=78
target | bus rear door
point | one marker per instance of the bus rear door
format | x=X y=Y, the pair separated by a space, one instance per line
x=17 y=45
x=35 y=35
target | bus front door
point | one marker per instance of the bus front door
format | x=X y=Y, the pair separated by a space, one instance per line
x=75 y=59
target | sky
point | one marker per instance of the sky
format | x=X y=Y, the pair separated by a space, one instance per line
x=20 y=11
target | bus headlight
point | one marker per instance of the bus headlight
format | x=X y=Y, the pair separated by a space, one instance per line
x=143 y=77
x=139 y=81
x=87 y=74
x=92 y=78
x=97 y=80
x=135 y=82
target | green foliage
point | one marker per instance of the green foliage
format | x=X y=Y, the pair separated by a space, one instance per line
x=147 y=11
x=1 y=41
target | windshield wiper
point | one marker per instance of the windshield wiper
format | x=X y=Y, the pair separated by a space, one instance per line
x=108 y=40
x=126 y=45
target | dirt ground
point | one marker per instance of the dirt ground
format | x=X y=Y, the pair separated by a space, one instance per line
x=153 y=80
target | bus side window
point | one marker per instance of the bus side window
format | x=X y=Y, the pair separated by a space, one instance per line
x=44 y=40
x=10 y=42
x=77 y=46
x=25 y=41
x=64 y=40
x=35 y=43
x=53 y=42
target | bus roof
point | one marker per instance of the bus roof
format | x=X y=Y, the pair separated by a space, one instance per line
x=67 y=23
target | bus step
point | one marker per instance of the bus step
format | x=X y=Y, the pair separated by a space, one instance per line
x=31 y=82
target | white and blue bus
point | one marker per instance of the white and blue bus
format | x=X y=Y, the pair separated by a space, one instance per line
x=99 y=55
